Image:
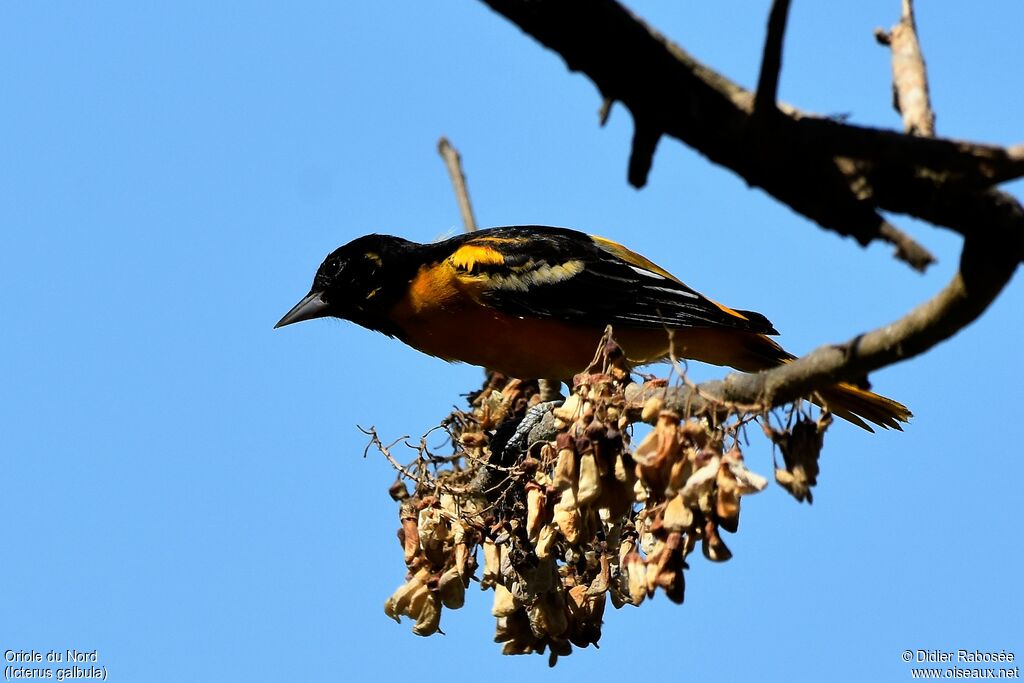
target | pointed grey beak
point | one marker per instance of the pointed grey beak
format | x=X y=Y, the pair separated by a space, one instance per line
x=311 y=306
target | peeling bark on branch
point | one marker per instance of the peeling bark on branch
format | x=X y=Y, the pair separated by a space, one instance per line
x=909 y=78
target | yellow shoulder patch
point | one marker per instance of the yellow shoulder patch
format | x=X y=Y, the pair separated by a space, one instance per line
x=469 y=256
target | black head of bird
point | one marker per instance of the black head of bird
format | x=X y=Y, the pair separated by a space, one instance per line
x=349 y=278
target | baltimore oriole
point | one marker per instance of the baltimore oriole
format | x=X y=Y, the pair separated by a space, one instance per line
x=533 y=302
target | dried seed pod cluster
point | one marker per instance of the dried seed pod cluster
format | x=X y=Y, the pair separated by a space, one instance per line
x=572 y=520
x=440 y=556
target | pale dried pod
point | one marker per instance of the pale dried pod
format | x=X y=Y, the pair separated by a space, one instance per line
x=658 y=451
x=451 y=589
x=640 y=493
x=433 y=527
x=504 y=602
x=411 y=539
x=677 y=516
x=621 y=472
x=492 y=564
x=536 y=512
x=747 y=482
x=706 y=500
x=652 y=407
x=456 y=531
x=567 y=516
x=566 y=471
x=627 y=546
x=656 y=560
x=570 y=409
x=680 y=472
x=545 y=541
x=398 y=604
x=429 y=618
x=413 y=603
x=727 y=509
x=701 y=481
x=636 y=577
x=461 y=558
x=589 y=480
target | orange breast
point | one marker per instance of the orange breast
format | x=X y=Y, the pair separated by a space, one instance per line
x=441 y=316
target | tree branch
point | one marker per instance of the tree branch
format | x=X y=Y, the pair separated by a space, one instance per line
x=798 y=162
x=454 y=163
x=771 y=60
x=909 y=78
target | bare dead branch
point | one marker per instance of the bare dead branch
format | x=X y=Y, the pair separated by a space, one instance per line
x=771 y=60
x=909 y=77
x=454 y=163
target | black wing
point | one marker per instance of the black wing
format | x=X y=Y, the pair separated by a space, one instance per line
x=565 y=274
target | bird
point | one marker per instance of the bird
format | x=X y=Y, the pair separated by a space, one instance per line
x=533 y=302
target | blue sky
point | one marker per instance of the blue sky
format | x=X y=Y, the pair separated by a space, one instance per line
x=184 y=489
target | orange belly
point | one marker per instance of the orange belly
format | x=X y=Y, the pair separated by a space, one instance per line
x=548 y=348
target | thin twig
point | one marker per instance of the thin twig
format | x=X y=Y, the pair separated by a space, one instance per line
x=454 y=163
x=771 y=60
x=386 y=452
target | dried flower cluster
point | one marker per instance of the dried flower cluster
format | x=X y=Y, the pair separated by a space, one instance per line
x=577 y=518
